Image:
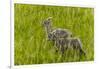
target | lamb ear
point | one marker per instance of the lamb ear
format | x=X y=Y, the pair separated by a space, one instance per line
x=49 y=18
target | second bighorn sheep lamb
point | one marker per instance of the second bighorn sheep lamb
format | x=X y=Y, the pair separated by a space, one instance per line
x=75 y=43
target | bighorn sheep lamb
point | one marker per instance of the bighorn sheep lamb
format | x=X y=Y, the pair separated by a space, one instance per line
x=58 y=32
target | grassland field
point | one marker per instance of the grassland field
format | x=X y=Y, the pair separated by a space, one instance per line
x=30 y=44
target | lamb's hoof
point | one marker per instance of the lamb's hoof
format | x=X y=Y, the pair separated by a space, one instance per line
x=56 y=50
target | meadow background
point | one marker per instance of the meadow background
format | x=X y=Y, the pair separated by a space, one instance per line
x=30 y=44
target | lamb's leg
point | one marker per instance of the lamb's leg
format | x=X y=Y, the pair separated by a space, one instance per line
x=62 y=49
x=79 y=44
x=82 y=52
x=76 y=43
x=57 y=45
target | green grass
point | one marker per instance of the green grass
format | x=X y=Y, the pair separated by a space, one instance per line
x=30 y=44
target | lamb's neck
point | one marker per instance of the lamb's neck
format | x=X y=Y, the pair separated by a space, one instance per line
x=48 y=29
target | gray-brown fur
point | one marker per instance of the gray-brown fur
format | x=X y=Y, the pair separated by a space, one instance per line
x=65 y=43
x=59 y=33
x=62 y=38
x=55 y=33
x=47 y=25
